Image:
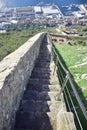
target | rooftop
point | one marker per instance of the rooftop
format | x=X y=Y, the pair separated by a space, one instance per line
x=37 y=9
x=49 y=10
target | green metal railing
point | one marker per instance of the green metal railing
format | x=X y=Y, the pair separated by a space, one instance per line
x=71 y=96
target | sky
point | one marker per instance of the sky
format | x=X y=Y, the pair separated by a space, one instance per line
x=15 y=3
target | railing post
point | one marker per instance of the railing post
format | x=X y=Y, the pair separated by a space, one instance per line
x=63 y=85
x=55 y=66
x=52 y=52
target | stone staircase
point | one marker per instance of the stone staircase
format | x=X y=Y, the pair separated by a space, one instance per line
x=40 y=105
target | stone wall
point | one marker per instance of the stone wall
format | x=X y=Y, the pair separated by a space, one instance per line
x=15 y=70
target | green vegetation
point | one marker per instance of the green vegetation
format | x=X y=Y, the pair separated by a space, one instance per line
x=17 y=35
x=82 y=30
x=74 y=58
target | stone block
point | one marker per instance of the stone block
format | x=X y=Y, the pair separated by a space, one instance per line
x=65 y=121
x=15 y=70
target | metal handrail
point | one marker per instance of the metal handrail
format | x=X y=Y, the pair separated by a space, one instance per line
x=59 y=60
x=63 y=86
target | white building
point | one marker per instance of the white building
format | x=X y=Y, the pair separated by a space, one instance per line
x=37 y=9
x=48 y=10
x=78 y=14
x=25 y=12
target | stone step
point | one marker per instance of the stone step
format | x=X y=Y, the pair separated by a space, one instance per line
x=22 y=129
x=34 y=106
x=34 y=120
x=41 y=80
x=48 y=96
x=46 y=55
x=47 y=87
x=44 y=59
x=43 y=69
x=45 y=63
x=53 y=120
x=42 y=75
x=39 y=69
x=42 y=64
x=42 y=72
x=44 y=121
x=44 y=95
x=34 y=87
x=40 y=106
x=44 y=87
x=31 y=95
x=44 y=48
x=25 y=120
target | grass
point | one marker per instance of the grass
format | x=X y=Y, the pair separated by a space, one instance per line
x=72 y=56
x=18 y=35
x=10 y=42
x=82 y=30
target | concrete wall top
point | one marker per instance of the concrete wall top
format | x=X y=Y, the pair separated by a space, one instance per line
x=8 y=63
x=15 y=70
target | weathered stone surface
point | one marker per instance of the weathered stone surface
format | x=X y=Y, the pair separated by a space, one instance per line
x=39 y=106
x=15 y=70
x=65 y=121
x=53 y=120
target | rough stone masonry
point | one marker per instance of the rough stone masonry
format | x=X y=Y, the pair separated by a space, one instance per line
x=15 y=70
